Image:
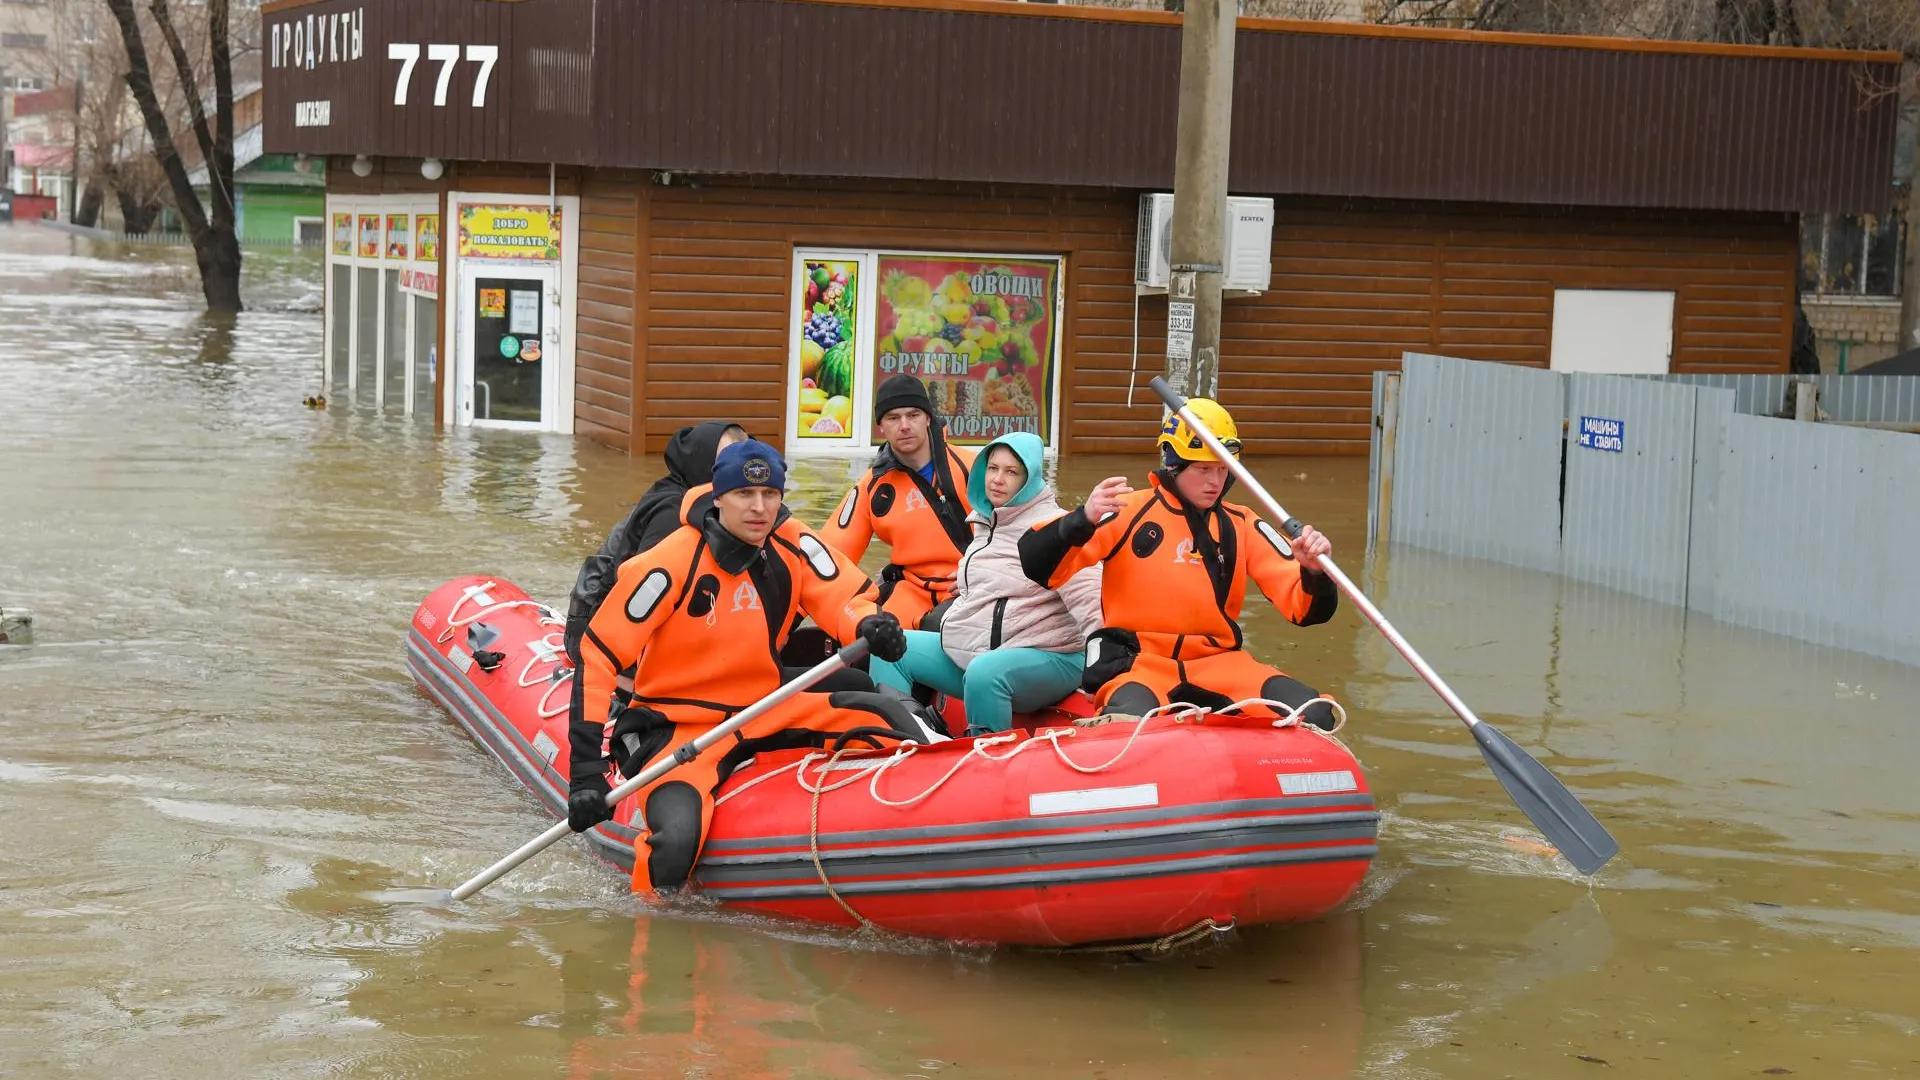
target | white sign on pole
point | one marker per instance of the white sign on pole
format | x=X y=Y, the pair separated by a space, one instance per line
x=1180 y=330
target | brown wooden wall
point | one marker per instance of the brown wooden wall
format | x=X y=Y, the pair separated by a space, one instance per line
x=1355 y=283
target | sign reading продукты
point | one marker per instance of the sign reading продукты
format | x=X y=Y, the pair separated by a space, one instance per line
x=1598 y=433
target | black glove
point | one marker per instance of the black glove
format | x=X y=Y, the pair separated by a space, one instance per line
x=587 y=803
x=883 y=635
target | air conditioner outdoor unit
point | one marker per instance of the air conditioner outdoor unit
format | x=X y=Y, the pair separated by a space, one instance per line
x=1249 y=247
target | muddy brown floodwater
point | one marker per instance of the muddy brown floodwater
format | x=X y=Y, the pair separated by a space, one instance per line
x=212 y=759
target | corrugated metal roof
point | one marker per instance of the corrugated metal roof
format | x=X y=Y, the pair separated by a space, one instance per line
x=982 y=91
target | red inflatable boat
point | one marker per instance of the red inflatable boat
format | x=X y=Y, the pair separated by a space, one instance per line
x=1055 y=834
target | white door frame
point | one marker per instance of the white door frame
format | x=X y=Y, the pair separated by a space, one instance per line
x=557 y=379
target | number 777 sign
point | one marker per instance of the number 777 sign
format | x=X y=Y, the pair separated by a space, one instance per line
x=408 y=53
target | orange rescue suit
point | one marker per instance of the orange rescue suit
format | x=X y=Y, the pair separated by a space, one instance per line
x=922 y=522
x=1175 y=579
x=700 y=619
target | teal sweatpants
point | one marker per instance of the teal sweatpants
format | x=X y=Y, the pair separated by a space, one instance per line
x=995 y=685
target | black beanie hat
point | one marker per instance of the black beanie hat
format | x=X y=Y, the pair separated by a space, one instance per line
x=902 y=391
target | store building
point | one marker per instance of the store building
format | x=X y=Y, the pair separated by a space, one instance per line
x=618 y=216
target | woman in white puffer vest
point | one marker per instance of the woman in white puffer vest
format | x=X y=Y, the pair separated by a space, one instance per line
x=1006 y=644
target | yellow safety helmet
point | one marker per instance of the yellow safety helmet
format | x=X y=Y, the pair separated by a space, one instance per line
x=1179 y=442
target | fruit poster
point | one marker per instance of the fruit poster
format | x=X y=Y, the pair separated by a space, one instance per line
x=979 y=332
x=829 y=304
x=343 y=234
x=426 y=237
x=398 y=234
x=369 y=236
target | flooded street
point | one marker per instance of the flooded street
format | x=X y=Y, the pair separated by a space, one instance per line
x=212 y=758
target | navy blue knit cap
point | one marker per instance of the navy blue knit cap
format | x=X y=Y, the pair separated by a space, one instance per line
x=750 y=463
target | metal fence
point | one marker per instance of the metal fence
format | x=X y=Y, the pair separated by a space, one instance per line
x=1844 y=399
x=1685 y=489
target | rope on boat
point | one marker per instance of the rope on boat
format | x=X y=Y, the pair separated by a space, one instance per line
x=472 y=593
x=813 y=833
x=1158 y=946
x=1290 y=714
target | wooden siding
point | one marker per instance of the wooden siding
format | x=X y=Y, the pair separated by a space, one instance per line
x=1354 y=284
x=603 y=333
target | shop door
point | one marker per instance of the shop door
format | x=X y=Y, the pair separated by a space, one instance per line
x=508 y=322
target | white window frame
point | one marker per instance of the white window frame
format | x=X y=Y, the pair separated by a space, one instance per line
x=324 y=222
x=564 y=372
x=379 y=206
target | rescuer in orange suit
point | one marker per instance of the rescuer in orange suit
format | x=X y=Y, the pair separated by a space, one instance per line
x=1177 y=561
x=701 y=618
x=914 y=500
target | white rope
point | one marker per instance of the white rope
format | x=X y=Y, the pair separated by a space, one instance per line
x=761 y=779
x=1290 y=714
x=1054 y=735
x=546 y=613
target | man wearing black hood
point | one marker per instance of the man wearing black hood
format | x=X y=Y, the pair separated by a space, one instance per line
x=915 y=501
x=655 y=517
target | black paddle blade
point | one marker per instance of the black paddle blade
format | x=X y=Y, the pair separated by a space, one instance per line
x=1567 y=824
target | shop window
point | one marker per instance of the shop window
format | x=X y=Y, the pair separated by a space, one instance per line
x=366 y=335
x=982 y=331
x=426 y=316
x=393 y=358
x=340 y=337
x=1851 y=254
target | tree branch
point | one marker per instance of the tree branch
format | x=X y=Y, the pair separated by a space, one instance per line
x=220 y=162
x=163 y=17
x=140 y=82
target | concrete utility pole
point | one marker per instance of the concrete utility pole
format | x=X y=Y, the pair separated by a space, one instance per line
x=1200 y=196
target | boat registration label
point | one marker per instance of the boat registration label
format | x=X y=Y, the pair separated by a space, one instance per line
x=546 y=747
x=1317 y=783
x=1042 y=803
x=461 y=658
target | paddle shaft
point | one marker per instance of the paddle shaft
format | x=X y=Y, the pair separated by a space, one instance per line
x=1291 y=526
x=1558 y=813
x=846 y=657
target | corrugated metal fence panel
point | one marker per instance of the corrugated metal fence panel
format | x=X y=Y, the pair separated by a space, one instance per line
x=1875 y=399
x=1373 y=457
x=1628 y=508
x=1869 y=399
x=1753 y=395
x=1477 y=460
x=1810 y=544
x=1712 y=409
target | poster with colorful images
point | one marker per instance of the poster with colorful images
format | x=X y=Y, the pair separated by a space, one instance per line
x=979 y=332
x=426 y=237
x=398 y=236
x=493 y=303
x=343 y=234
x=829 y=315
x=369 y=236
x=489 y=231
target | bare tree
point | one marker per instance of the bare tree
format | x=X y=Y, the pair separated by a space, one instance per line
x=215 y=244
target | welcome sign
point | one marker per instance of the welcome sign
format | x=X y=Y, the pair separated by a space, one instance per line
x=503 y=231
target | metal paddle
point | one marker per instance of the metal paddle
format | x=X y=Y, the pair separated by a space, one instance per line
x=1567 y=824
x=846 y=657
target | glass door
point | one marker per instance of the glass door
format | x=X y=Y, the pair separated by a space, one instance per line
x=509 y=340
